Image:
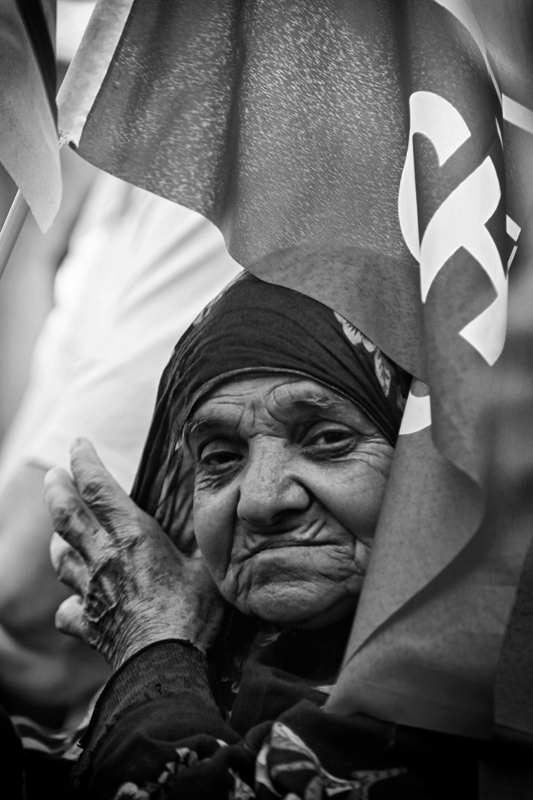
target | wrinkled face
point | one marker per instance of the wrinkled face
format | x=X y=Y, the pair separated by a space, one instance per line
x=289 y=482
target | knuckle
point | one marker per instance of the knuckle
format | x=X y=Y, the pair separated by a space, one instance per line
x=65 y=514
x=70 y=515
x=93 y=490
x=132 y=537
x=106 y=504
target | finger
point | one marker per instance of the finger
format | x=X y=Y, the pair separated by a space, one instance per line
x=70 y=516
x=69 y=618
x=99 y=490
x=69 y=565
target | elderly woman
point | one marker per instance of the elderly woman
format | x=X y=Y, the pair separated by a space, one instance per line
x=266 y=465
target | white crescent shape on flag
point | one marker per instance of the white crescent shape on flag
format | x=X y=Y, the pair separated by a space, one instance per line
x=417 y=414
x=459 y=222
x=436 y=118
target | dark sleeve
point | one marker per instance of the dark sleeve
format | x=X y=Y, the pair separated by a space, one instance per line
x=155 y=718
x=157 y=734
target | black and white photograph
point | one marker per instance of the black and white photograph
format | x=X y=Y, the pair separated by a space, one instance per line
x=266 y=399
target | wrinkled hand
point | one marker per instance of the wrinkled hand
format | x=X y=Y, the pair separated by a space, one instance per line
x=132 y=585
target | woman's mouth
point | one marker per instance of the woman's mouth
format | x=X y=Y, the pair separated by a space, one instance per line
x=357 y=553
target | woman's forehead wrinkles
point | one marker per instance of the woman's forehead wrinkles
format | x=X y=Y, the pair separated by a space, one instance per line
x=267 y=401
x=305 y=395
x=306 y=399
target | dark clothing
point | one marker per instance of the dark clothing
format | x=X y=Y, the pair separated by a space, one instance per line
x=11 y=782
x=247 y=722
x=157 y=729
x=28 y=773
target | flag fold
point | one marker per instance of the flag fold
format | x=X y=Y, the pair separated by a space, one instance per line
x=28 y=133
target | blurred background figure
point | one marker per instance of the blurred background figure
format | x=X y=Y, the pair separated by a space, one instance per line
x=134 y=271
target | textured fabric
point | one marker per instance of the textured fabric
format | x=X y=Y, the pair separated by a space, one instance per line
x=287 y=124
x=256 y=327
x=277 y=743
x=178 y=668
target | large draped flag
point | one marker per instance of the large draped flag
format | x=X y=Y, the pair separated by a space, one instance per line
x=377 y=155
x=28 y=133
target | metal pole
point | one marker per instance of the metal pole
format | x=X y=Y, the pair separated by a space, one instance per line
x=11 y=229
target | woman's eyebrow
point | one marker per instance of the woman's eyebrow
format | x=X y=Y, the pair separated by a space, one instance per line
x=318 y=402
x=202 y=425
x=302 y=409
x=321 y=401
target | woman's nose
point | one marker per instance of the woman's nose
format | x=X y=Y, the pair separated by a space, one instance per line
x=270 y=489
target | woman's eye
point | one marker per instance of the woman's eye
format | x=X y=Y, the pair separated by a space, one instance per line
x=331 y=438
x=219 y=456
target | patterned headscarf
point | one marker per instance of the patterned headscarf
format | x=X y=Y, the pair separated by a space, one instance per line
x=255 y=327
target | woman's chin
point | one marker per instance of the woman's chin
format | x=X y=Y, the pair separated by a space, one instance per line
x=296 y=607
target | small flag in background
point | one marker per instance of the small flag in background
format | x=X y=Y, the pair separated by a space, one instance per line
x=378 y=156
x=28 y=132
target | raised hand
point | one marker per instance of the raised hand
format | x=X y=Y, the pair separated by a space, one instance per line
x=132 y=585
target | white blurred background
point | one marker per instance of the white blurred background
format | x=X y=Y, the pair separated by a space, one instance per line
x=26 y=287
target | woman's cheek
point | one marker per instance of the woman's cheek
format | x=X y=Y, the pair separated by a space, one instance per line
x=214 y=514
x=353 y=493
